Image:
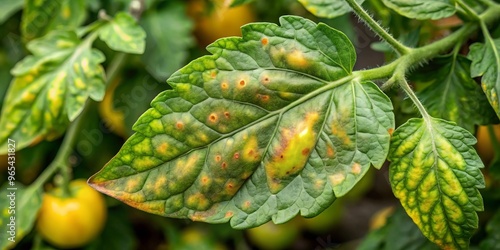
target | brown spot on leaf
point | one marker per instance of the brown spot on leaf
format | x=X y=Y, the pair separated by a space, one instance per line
x=242 y=83
x=218 y=158
x=212 y=117
x=305 y=151
x=224 y=86
x=390 y=131
x=213 y=74
x=246 y=205
x=330 y=152
x=179 y=125
x=227 y=115
x=265 y=79
x=264 y=97
x=229 y=214
x=236 y=155
x=264 y=41
x=224 y=165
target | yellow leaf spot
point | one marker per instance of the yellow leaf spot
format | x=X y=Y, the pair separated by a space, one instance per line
x=296 y=59
x=198 y=201
x=66 y=12
x=132 y=185
x=28 y=97
x=336 y=179
x=162 y=148
x=79 y=83
x=356 y=168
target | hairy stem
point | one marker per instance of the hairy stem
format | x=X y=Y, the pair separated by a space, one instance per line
x=420 y=55
x=379 y=30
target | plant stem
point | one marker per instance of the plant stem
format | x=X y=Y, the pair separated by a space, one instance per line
x=379 y=30
x=488 y=3
x=60 y=162
x=468 y=10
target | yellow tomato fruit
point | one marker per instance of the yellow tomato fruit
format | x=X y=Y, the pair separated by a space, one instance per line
x=69 y=222
x=484 y=145
x=220 y=21
x=327 y=219
x=113 y=119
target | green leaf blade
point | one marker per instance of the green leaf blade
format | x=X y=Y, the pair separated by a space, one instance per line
x=423 y=9
x=29 y=201
x=248 y=128
x=122 y=33
x=451 y=93
x=328 y=8
x=41 y=17
x=435 y=172
x=486 y=63
x=50 y=88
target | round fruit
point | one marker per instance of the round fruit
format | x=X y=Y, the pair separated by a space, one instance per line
x=69 y=222
x=214 y=22
x=326 y=219
x=272 y=236
x=484 y=145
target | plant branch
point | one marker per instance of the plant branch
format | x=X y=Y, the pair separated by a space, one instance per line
x=488 y=3
x=379 y=30
x=468 y=10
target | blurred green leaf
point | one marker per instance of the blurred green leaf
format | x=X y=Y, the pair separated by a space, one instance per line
x=122 y=33
x=254 y=132
x=42 y=16
x=422 y=9
x=435 y=173
x=50 y=88
x=328 y=8
x=486 y=63
x=8 y=8
x=399 y=233
x=451 y=93
x=169 y=38
x=492 y=241
x=117 y=234
x=23 y=204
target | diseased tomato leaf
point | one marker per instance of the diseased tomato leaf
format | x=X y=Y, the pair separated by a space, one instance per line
x=328 y=8
x=42 y=16
x=492 y=241
x=486 y=63
x=451 y=93
x=122 y=33
x=27 y=202
x=422 y=9
x=270 y=125
x=50 y=88
x=435 y=173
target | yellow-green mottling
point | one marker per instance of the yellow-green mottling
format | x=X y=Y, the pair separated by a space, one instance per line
x=424 y=173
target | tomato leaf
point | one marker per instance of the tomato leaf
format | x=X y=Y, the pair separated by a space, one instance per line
x=486 y=63
x=435 y=172
x=42 y=16
x=166 y=53
x=122 y=33
x=492 y=241
x=422 y=9
x=389 y=236
x=451 y=93
x=328 y=8
x=9 y=7
x=270 y=125
x=50 y=88
x=27 y=202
